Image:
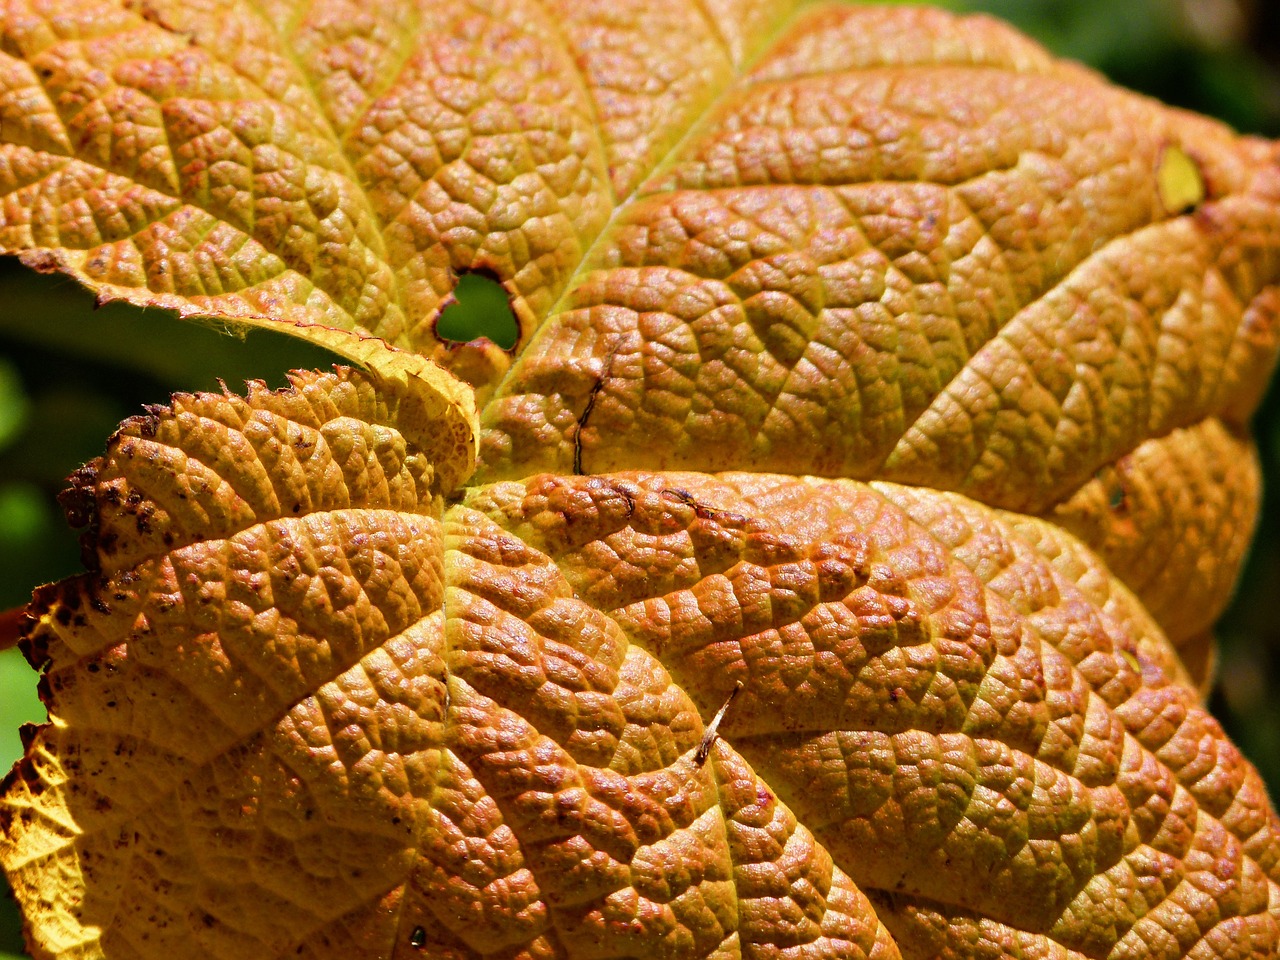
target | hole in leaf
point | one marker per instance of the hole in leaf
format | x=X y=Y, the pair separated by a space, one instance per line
x=480 y=309
x=1180 y=181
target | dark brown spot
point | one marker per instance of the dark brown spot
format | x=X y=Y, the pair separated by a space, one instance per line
x=41 y=261
x=27 y=734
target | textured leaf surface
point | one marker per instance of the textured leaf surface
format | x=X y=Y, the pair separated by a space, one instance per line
x=359 y=672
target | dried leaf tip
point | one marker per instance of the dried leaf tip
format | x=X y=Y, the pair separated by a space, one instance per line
x=713 y=728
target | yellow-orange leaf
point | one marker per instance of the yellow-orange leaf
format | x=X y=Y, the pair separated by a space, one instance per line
x=880 y=392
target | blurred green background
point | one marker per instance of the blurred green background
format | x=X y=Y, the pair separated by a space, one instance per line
x=69 y=373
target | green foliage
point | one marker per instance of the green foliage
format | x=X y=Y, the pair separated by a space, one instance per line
x=480 y=309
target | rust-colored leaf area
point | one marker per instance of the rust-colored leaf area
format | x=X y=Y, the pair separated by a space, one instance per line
x=827 y=572
x=206 y=687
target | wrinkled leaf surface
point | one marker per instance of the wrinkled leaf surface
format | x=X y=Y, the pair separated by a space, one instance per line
x=881 y=389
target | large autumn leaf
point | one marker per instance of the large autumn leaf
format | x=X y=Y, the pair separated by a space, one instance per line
x=976 y=334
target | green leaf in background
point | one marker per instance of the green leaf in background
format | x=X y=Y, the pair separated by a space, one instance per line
x=13 y=403
x=480 y=308
x=18 y=705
